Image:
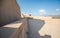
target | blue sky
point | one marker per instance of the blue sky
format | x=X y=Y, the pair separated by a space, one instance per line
x=40 y=7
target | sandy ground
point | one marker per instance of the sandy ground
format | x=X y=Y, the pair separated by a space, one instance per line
x=50 y=27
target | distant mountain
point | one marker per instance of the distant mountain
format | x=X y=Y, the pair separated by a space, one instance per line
x=53 y=15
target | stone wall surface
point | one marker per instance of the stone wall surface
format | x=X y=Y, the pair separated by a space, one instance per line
x=9 y=11
x=17 y=29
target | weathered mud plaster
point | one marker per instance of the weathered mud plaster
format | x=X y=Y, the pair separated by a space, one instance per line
x=9 y=11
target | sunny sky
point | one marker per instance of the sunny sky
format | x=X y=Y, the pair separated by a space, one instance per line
x=40 y=7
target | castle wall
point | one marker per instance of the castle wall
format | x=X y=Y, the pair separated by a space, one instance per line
x=9 y=11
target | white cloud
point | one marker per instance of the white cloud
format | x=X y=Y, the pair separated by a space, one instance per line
x=57 y=9
x=42 y=11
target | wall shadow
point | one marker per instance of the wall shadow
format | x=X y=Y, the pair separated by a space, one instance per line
x=5 y=32
x=34 y=25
